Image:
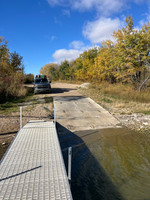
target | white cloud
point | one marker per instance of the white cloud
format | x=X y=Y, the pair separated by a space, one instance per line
x=103 y=6
x=101 y=29
x=66 y=12
x=76 y=48
x=145 y=20
x=57 y=2
x=140 y=1
x=64 y=54
x=148 y=14
x=76 y=45
x=53 y=37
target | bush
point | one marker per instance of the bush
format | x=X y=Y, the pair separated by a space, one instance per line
x=12 y=86
x=29 y=78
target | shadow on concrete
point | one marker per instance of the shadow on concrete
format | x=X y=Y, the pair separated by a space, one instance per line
x=69 y=98
x=89 y=179
x=61 y=90
x=53 y=90
x=3 y=179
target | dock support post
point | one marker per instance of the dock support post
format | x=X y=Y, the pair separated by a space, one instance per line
x=54 y=116
x=20 y=117
x=69 y=163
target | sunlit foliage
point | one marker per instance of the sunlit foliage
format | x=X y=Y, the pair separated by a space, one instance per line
x=50 y=70
x=11 y=72
x=125 y=59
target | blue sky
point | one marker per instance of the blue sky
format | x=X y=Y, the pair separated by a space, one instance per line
x=44 y=31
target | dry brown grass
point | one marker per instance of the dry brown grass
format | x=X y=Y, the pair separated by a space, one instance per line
x=119 y=98
x=124 y=92
x=69 y=81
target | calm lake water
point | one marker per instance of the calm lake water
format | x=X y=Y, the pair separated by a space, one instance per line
x=108 y=164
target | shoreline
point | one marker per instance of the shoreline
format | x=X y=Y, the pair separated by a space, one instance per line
x=41 y=106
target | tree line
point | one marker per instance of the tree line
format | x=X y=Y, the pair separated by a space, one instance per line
x=12 y=76
x=125 y=59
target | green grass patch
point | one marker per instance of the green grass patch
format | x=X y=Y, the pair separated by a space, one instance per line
x=12 y=105
x=48 y=99
x=8 y=107
x=29 y=101
x=106 y=100
x=146 y=112
x=113 y=97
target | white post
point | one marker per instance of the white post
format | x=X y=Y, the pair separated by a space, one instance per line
x=69 y=163
x=54 y=116
x=20 y=117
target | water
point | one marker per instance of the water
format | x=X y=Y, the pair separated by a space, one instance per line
x=108 y=164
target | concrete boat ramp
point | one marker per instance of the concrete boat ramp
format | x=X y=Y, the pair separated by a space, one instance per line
x=81 y=113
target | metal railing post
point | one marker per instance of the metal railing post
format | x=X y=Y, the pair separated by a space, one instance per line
x=54 y=116
x=69 y=163
x=20 y=117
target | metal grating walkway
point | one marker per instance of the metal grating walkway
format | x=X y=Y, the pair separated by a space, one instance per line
x=33 y=167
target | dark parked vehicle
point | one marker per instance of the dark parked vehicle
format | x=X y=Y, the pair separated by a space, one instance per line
x=41 y=84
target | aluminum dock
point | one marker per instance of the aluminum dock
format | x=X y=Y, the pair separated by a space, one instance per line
x=33 y=166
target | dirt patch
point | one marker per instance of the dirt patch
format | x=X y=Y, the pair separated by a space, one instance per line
x=31 y=111
x=39 y=107
x=5 y=141
x=65 y=89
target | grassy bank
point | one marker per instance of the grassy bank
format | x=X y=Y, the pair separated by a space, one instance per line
x=12 y=104
x=120 y=98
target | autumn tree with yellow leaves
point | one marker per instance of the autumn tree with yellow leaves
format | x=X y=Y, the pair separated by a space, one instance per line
x=84 y=64
x=11 y=73
x=50 y=70
x=125 y=59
